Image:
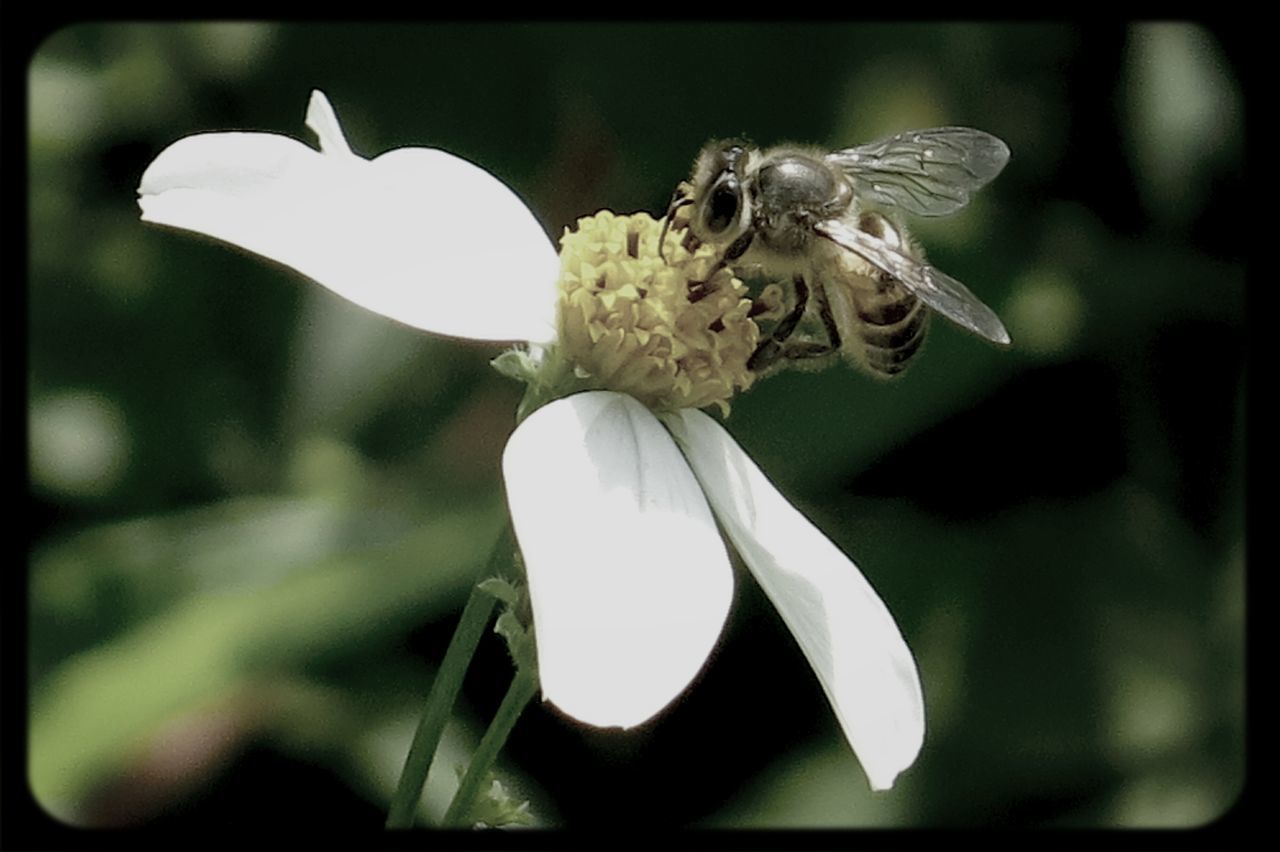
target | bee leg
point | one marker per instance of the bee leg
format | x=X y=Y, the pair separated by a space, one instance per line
x=828 y=319
x=736 y=249
x=779 y=346
x=698 y=289
x=679 y=198
x=807 y=350
x=772 y=348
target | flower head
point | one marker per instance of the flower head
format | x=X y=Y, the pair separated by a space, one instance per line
x=672 y=332
x=615 y=485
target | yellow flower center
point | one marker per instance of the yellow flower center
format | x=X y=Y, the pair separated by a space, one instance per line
x=664 y=330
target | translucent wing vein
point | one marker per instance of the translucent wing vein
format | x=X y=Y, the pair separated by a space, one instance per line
x=924 y=172
x=935 y=288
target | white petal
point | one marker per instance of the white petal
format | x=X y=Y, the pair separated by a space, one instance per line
x=629 y=579
x=324 y=121
x=416 y=234
x=843 y=627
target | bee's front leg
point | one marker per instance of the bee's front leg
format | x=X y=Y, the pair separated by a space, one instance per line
x=698 y=289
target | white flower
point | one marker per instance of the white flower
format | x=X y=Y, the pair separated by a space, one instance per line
x=614 y=506
x=401 y=234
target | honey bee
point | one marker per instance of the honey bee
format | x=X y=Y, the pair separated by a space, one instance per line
x=823 y=225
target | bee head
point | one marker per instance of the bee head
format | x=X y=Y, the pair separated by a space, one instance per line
x=720 y=194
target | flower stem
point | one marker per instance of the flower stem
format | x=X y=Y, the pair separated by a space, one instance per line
x=444 y=691
x=523 y=687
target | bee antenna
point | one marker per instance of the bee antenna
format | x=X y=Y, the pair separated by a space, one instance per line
x=678 y=199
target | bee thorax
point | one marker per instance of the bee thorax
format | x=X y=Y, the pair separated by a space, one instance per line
x=792 y=194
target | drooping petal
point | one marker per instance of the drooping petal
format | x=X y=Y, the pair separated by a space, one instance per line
x=842 y=626
x=629 y=579
x=416 y=234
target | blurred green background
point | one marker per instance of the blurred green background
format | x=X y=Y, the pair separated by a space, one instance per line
x=258 y=508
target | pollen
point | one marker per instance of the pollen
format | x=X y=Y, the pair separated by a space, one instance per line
x=673 y=331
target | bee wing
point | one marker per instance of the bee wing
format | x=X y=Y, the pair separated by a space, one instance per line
x=924 y=172
x=935 y=288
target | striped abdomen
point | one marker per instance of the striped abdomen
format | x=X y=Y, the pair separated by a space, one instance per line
x=891 y=320
x=891 y=326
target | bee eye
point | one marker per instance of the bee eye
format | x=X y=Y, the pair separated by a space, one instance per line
x=722 y=206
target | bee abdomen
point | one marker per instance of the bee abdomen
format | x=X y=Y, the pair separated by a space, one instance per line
x=892 y=328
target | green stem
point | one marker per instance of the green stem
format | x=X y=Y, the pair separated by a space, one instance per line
x=444 y=691
x=523 y=687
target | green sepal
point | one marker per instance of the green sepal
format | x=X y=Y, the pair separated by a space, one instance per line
x=501 y=589
x=519 y=639
x=518 y=364
x=496 y=807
